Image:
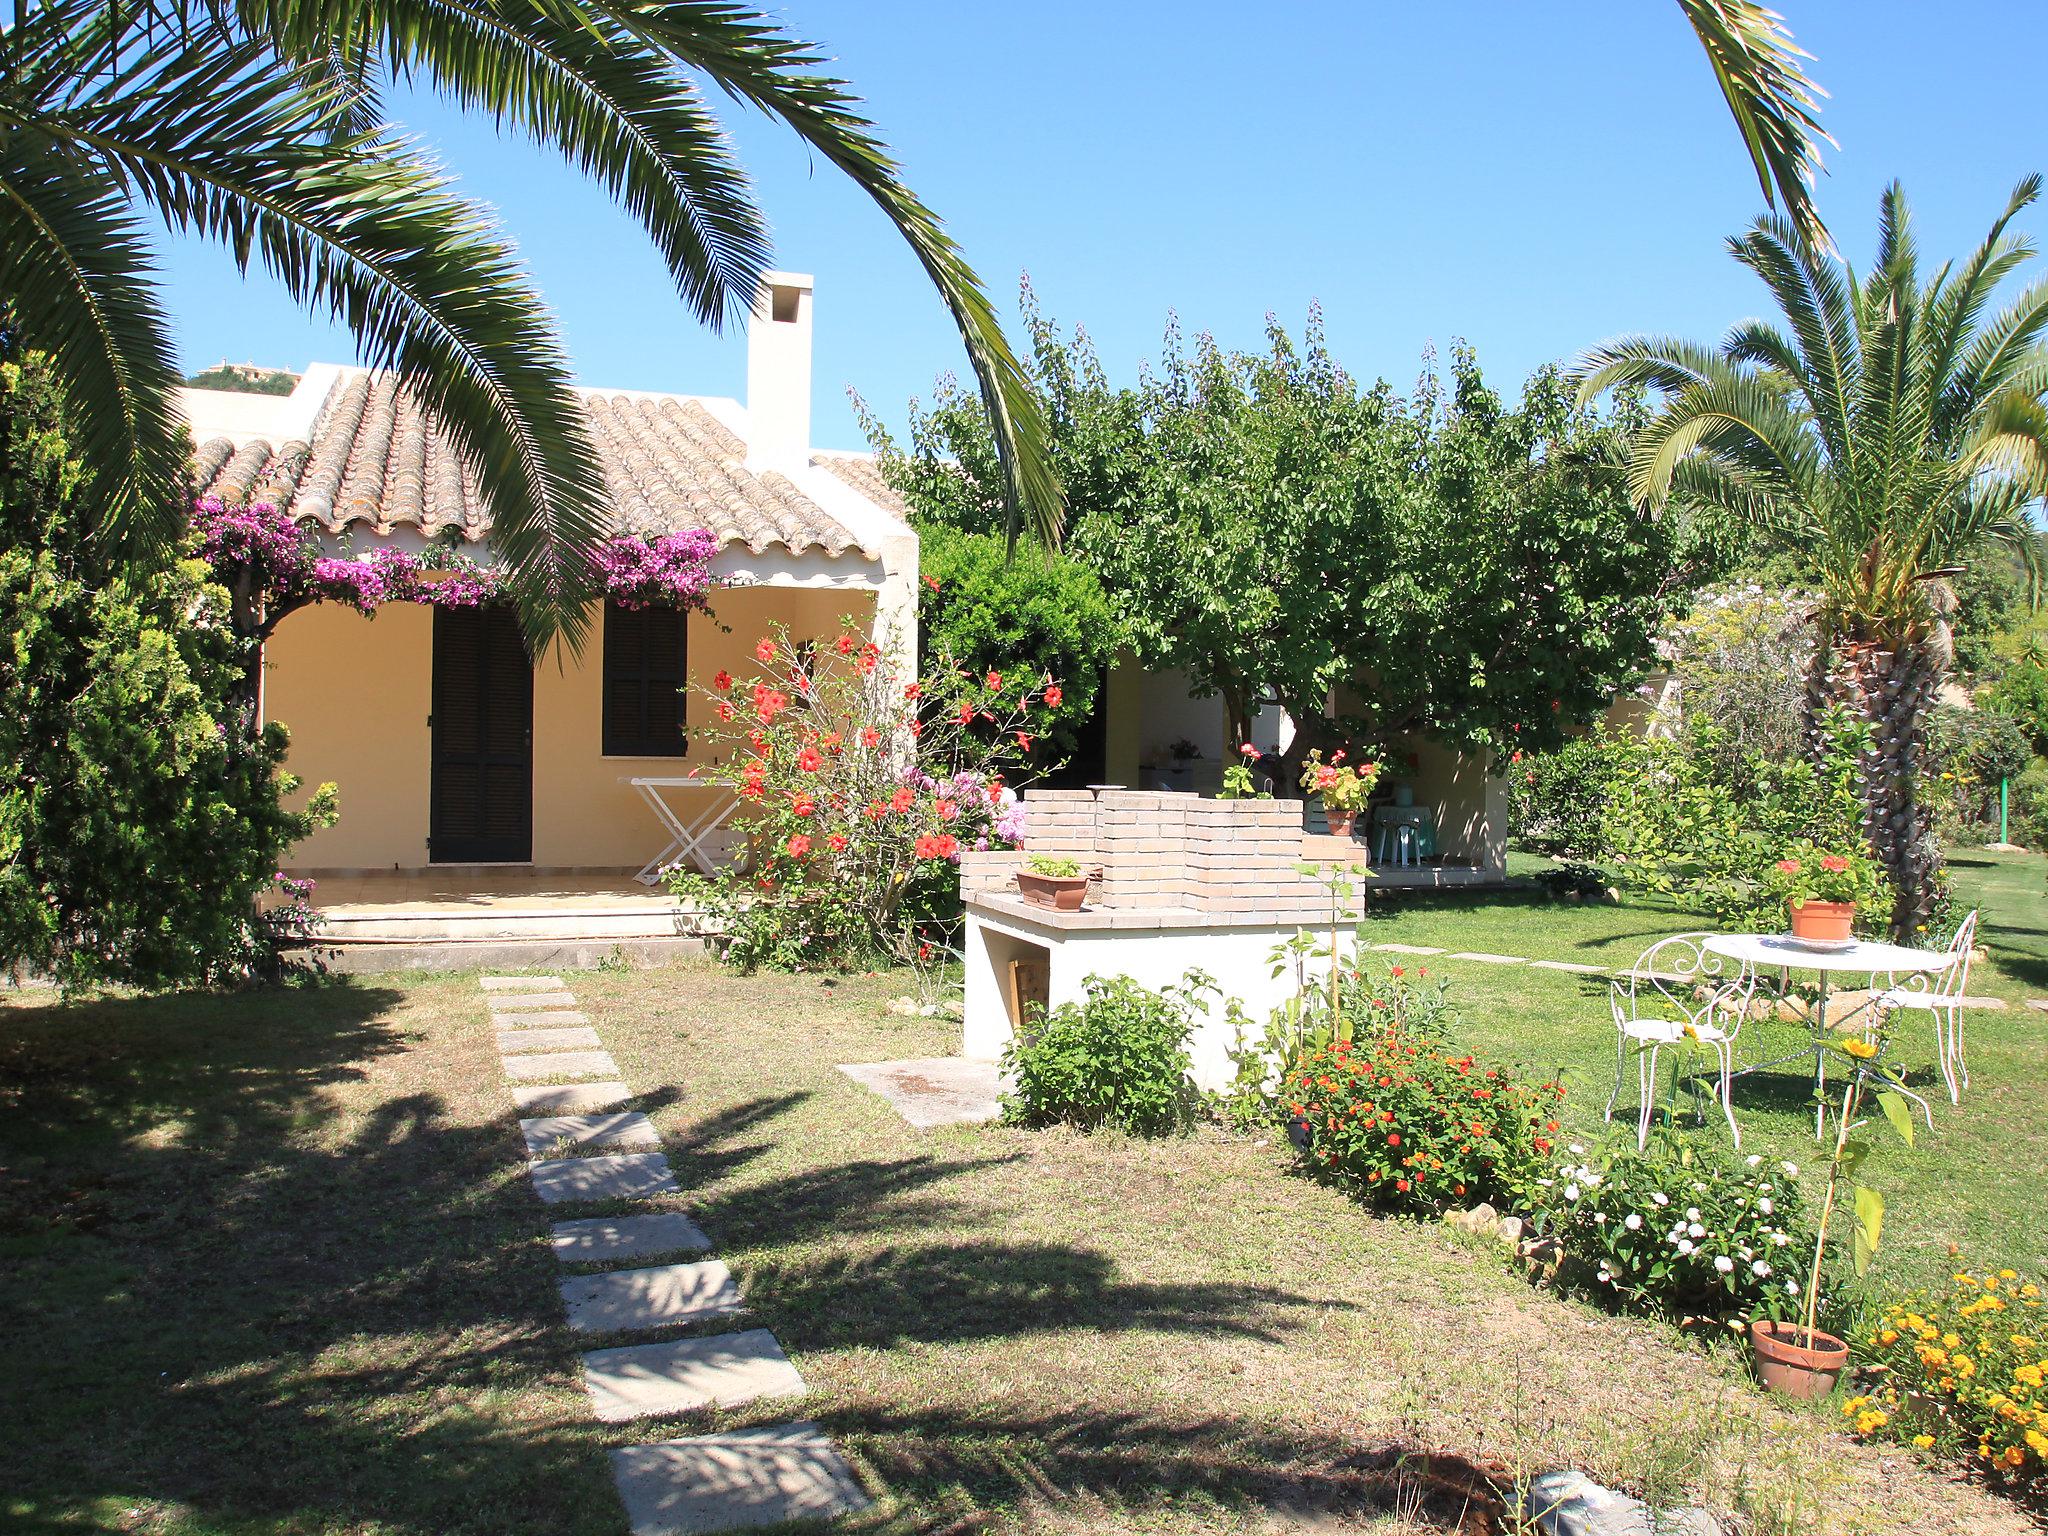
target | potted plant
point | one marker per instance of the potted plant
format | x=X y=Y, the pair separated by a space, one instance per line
x=1797 y=1358
x=1049 y=881
x=1342 y=787
x=1821 y=888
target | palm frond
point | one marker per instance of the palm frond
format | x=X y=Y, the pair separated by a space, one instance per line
x=758 y=63
x=227 y=146
x=75 y=282
x=1762 y=77
x=1667 y=363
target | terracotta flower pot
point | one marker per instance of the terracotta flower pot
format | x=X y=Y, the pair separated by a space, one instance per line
x=1827 y=921
x=1062 y=893
x=1798 y=1369
x=1340 y=821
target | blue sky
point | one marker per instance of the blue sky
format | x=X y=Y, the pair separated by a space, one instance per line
x=1531 y=177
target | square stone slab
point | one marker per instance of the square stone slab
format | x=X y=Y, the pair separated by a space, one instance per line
x=1486 y=959
x=570 y=1098
x=627 y=1129
x=519 y=1002
x=616 y=1176
x=541 y=1020
x=2038 y=1004
x=548 y=1040
x=519 y=983
x=562 y=1064
x=1569 y=965
x=603 y=1238
x=1409 y=949
x=726 y=1369
x=622 y=1299
x=730 y=1482
x=937 y=1090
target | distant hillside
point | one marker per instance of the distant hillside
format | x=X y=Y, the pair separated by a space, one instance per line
x=247 y=378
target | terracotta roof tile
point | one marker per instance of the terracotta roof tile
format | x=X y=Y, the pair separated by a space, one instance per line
x=379 y=459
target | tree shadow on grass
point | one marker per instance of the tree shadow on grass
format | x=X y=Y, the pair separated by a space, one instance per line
x=225 y=1301
x=950 y=1470
x=947 y=1292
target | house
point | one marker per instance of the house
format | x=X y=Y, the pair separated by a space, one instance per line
x=454 y=752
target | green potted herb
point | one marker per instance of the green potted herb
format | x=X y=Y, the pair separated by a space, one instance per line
x=1820 y=888
x=1050 y=881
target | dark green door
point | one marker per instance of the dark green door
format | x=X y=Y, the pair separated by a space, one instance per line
x=481 y=809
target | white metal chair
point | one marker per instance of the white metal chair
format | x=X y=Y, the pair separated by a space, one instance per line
x=1678 y=993
x=1940 y=994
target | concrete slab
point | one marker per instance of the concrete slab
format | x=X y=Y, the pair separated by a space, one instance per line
x=521 y=1002
x=623 y=1299
x=616 y=1176
x=1485 y=959
x=545 y=1019
x=735 y=1480
x=517 y=1040
x=570 y=1098
x=1408 y=949
x=1568 y=965
x=519 y=983
x=2038 y=1004
x=605 y=1238
x=627 y=1129
x=561 y=1064
x=1993 y=1004
x=935 y=1090
x=684 y=1374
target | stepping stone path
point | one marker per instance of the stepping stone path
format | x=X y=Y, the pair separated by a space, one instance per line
x=1471 y=954
x=699 y=1483
x=2038 y=1004
x=1408 y=949
x=741 y=1478
x=1568 y=965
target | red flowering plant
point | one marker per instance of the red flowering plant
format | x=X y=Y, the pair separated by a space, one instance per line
x=859 y=788
x=1417 y=1125
x=1808 y=872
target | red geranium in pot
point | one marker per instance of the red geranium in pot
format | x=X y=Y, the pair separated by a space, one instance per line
x=1821 y=888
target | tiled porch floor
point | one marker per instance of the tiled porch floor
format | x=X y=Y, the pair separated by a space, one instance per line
x=455 y=893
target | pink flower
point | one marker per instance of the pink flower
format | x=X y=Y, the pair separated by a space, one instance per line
x=1833 y=863
x=1788 y=866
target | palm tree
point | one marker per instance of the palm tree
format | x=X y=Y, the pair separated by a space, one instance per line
x=257 y=123
x=1891 y=426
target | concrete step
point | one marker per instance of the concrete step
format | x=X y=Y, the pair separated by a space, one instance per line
x=498 y=924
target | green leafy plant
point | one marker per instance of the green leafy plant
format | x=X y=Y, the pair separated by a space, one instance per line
x=1341 y=786
x=1415 y=1125
x=1052 y=866
x=1683 y=1227
x=1119 y=1058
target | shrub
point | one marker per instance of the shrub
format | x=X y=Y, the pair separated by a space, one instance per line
x=1558 y=800
x=2029 y=808
x=2022 y=696
x=1682 y=1227
x=1410 y=1124
x=1119 y=1058
x=857 y=789
x=142 y=814
x=1965 y=1367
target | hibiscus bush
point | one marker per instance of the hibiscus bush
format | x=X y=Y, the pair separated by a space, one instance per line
x=1965 y=1369
x=1417 y=1125
x=858 y=790
x=1682 y=1227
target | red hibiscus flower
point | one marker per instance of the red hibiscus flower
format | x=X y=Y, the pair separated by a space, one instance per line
x=723 y=681
x=903 y=799
x=799 y=846
x=965 y=716
x=875 y=810
x=995 y=681
x=1024 y=740
x=949 y=810
x=845 y=645
x=803 y=805
x=870 y=737
x=1053 y=696
x=764 y=649
x=836 y=842
x=725 y=711
x=932 y=582
x=810 y=760
x=913 y=690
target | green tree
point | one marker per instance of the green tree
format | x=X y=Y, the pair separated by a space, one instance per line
x=1894 y=426
x=138 y=821
x=260 y=126
x=2022 y=696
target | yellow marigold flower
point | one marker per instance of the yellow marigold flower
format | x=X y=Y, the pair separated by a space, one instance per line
x=1862 y=1050
x=2008 y=1274
x=2028 y=1375
x=1965 y=1367
x=1963 y=1278
x=1951 y=1340
x=2030 y=1290
x=1925 y=1442
x=1888 y=1336
x=2038 y=1442
x=2015 y=1456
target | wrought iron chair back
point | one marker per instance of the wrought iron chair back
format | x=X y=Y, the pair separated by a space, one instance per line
x=1679 y=979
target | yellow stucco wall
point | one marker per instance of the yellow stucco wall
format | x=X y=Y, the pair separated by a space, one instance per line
x=355 y=694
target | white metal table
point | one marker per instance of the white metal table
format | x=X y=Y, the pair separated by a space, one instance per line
x=1775 y=951
x=686 y=838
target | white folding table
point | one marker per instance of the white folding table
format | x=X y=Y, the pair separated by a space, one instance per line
x=686 y=838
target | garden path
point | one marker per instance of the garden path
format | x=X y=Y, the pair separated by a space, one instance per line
x=573 y=1131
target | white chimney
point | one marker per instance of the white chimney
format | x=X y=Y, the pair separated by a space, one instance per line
x=779 y=373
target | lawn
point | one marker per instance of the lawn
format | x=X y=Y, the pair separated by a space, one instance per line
x=1973 y=1182
x=272 y=1267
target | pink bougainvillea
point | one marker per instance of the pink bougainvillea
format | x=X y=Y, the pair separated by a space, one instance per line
x=272 y=565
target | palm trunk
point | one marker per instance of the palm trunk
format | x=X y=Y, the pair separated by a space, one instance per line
x=1891 y=692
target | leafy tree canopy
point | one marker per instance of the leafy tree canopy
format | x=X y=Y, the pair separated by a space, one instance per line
x=1375 y=563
